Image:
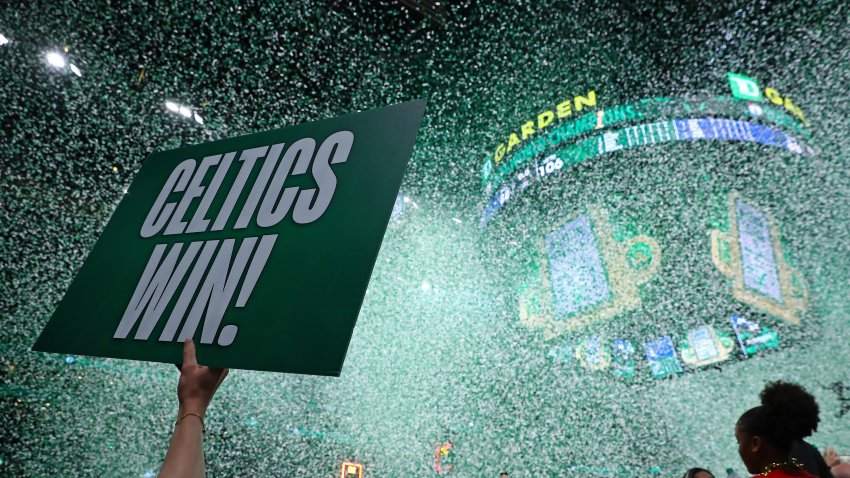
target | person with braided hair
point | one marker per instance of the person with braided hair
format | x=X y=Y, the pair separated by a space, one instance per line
x=767 y=433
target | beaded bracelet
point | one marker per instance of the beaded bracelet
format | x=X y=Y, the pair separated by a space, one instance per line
x=203 y=428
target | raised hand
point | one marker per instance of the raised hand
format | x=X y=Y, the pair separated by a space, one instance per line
x=830 y=456
x=197 y=383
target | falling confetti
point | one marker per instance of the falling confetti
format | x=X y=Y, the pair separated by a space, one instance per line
x=603 y=300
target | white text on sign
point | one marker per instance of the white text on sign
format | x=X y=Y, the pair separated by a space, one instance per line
x=215 y=273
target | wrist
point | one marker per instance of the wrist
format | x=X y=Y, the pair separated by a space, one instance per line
x=192 y=417
x=192 y=407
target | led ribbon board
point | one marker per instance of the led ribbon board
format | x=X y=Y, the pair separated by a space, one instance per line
x=258 y=247
x=493 y=173
x=685 y=129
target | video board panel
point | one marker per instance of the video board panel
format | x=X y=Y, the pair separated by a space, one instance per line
x=596 y=293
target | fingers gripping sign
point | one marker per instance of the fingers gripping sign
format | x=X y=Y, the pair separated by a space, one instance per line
x=189 y=354
x=197 y=383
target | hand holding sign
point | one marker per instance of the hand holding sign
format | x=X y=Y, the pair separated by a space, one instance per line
x=197 y=383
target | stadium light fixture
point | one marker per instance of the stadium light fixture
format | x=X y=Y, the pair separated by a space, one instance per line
x=56 y=60
x=184 y=111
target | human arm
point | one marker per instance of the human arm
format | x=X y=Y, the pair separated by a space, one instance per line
x=195 y=389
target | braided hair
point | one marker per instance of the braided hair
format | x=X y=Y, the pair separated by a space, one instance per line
x=787 y=413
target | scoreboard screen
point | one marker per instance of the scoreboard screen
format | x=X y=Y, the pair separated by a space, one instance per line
x=622 y=253
x=757 y=254
x=578 y=277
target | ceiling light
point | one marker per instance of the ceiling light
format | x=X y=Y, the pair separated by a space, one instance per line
x=76 y=70
x=3 y=40
x=56 y=59
x=198 y=119
x=172 y=106
x=185 y=111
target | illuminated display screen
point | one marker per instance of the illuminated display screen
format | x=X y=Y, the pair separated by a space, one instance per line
x=444 y=458
x=624 y=363
x=759 y=263
x=686 y=129
x=752 y=337
x=588 y=275
x=593 y=352
x=661 y=355
x=594 y=277
x=577 y=275
x=351 y=470
x=705 y=347
x=642 y=110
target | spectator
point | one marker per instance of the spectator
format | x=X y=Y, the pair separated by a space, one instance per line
x=804 y=452
x=767 y=433
x=810 y=458
x=698 y=473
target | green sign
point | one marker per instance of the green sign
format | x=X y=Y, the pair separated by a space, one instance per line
x=259 y=248
x=744 y=87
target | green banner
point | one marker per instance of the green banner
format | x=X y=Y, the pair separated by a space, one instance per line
x=259 y=248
